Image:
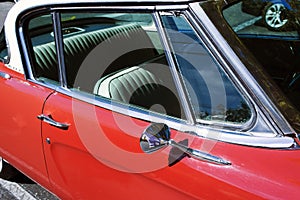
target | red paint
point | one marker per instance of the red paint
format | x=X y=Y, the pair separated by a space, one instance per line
x=82 y=165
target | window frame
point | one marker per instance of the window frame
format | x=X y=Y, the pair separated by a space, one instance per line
x=187 y=108
x=232 y=134
x=62 y=87
x=215 y=55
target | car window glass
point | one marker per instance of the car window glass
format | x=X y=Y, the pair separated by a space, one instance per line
x=44 y=61
x=119 y=56
x=3 y=47
x=213 y=96
x=270 y=30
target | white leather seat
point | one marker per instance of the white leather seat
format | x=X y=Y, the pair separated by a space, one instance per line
x=123 y=84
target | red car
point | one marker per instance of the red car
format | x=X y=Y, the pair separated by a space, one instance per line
x=124 y=99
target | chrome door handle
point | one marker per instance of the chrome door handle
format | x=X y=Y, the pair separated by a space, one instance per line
x=48 y=119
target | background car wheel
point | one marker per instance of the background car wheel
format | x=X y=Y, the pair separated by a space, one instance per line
x=7 y=171
x=275 y=16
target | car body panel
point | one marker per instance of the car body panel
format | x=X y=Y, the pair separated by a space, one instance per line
x=88 y=167
x=20 y=129
x=97 y=153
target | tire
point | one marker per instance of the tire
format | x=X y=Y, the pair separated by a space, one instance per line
x=7 y=171
x=275 y=17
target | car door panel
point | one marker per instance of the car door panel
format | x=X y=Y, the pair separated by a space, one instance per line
x=97 y=155
x=81 y=168
x=84 y=170
x=21 y=102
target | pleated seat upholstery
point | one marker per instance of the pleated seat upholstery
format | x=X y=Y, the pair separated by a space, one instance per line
x=123 y=77
x=123 y=85
x=77 y=48
x=140 y=87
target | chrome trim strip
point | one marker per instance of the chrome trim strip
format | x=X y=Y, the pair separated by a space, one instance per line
x=25 y=54
x=105 y=7
x=234 y=137
x=170 y=7
x=5 y=75
x=200 y=155
x=59 y=44
x=177 y=79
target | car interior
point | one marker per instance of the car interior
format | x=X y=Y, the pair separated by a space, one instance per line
x=119 y=56
x=132 y=69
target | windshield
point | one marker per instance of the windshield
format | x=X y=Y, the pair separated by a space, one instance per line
x=270 y=30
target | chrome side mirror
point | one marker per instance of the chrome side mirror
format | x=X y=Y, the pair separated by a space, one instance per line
x=157 y=136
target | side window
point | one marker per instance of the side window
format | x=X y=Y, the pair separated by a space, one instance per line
x=44 y=61
x=119 y=56
x=213 y=96
x=3 y=47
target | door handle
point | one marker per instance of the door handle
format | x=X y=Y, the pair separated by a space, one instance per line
x=48 y=119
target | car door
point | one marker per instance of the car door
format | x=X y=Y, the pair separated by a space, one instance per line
x=91 y=138
x=22 y=102
x=117 y=85
x=21 y=144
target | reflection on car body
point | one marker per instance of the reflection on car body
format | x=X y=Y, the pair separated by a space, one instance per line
x=121 y=99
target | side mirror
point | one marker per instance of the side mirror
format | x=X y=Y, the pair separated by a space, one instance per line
x=157 y=136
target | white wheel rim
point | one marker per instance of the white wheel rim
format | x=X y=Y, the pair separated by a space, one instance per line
x=273 y=16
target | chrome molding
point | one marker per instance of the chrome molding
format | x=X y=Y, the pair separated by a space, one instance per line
x=58 y=36
x=214 y=53
x=177 y=79
x=5 y=75
x=27 y=63
x=265 y=140
x=230 y=136
x=106 y=7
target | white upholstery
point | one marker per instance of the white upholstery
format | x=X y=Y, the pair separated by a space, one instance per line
x=123 y=84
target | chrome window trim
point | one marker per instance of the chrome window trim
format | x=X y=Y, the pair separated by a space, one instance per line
x=59 y=45
x=27 y=68
x=230 y=136
x=150 y=8
x=171 y=7
x=262 y=102
x=217 y=56
x=212 y=51
x=233 y=137
x=177 y=80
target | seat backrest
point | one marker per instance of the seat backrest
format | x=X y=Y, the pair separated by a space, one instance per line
x=46 y=61
x=140 y=87
x=122 y=85
x=77 y=47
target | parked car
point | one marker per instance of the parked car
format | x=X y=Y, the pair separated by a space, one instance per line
x=276 y=14
x=125 y=99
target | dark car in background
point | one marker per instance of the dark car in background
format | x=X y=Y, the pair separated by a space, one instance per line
x=276 y=14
